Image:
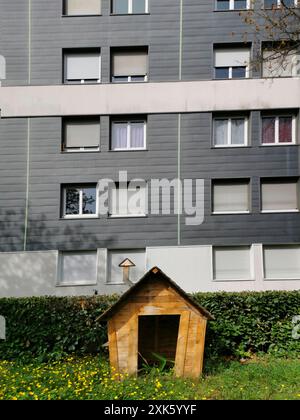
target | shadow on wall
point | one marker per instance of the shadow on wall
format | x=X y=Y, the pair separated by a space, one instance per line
x=23 y=273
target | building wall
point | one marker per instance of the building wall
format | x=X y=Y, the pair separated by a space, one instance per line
x=179 y=142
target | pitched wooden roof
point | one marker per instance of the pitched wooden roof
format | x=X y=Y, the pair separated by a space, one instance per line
x=155 y=272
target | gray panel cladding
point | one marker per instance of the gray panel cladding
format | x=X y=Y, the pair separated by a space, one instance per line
x=51 y=33
x=49 y=168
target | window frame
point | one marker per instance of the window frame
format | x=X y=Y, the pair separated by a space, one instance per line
x=74 y=51
x=64 y=8
x=297 y=181
x=80 y=215
x=129 y=9
x=232 y=180
x=229 y=131
x=251 y=262
x=249 y=6
x=276 y=139
x=128 y=79
x=129 y=122
x=59 y=273
x=65 y=149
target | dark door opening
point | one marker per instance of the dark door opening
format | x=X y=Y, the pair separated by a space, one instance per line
x=157 y=336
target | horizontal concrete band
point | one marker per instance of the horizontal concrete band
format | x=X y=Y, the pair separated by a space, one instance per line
x=150 y=98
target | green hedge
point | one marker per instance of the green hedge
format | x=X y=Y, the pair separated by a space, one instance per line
x=51 y=327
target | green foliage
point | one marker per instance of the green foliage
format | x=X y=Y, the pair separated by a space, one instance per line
x=51 y=327
x=245 y=323
x=251 y=322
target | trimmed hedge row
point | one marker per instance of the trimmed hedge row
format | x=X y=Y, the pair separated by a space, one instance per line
x=51 y=327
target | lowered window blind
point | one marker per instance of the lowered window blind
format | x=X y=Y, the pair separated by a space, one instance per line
x=231 y=196
x=82 y=134
x=276 y=65
x=82 y=66
x=232 y=263
x=130 y=63
x=280 y=195
x=78 y=267
x=282 y=262
x=129 y=201
x=231 y=57
x=82 y=7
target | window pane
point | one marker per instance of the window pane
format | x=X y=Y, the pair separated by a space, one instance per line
x=282 y=262
x=240 y=4
x=280 y=195
x=220 y=132
x=72 y=201
x=137 y=135
x=120 y=6
x=238 y=131
x=270 y=3
x=285 y=129
x=119 y=136
x=138 y=6
x=232 y=263
x=79 y=267
x=238 y=72
x=137 y=78
x=222 y=72
x=268 y=130
x=89 y=201
x=120 y=79
x=289 y=3
x=222 y=4
x=231 y=196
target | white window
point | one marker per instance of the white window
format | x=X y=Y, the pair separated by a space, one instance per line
x=276 y=63
x=125 y=7
x=230 y=132
x=232 y=263
x=130 y=65
x=82 y=7
x=280 y=195
x=233 y=4
x=128 y=135
x=128 y=201
x=77 y=268
x=81 y=134
x=278 y=129
x=82 y=67
x=271 y=4
x=80 y=201
x=116 y=257
x=281 y=262
x=231 y=196
x=231 y=63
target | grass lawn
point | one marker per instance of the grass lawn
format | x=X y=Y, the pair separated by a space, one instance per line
x=90 y=378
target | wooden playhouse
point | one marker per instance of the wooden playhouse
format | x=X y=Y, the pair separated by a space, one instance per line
x=156 y=317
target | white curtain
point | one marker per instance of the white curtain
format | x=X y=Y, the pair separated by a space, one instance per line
x=119 y=136
x=137 y=135
x=237 y=131
x=221 y=132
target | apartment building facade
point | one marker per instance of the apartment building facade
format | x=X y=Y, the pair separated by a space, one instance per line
x=159 y=89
